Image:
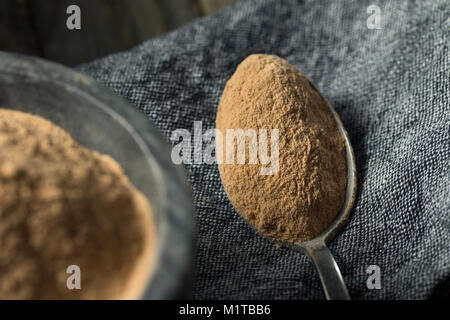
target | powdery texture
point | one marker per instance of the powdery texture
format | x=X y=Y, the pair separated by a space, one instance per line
x=303 y=198
x=62 y=204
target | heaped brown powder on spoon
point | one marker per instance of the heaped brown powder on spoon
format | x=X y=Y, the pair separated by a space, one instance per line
x=62 y=204
x=304 y=196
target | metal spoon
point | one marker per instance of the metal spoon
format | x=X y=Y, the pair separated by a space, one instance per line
x=317 y=250
x=329 y=273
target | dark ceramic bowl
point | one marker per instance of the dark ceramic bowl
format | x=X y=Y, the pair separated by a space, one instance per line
x=99 y=119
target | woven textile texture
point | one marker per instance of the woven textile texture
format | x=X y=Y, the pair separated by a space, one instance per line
x=390 y=87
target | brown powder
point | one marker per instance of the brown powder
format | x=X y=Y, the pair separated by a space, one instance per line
x=303 y=198
x=62 y=204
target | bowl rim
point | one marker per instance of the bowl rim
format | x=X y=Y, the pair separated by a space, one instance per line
x=174 y=282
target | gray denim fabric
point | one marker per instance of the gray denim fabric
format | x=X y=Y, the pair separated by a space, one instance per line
x=391 y=88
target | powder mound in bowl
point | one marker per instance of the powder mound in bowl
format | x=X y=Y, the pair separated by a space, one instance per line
x=63 y=204
x=304 y=196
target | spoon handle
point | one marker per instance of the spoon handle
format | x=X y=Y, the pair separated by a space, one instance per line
x=329 y=273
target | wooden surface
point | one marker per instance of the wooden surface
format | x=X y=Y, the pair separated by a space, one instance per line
x=38 y=27
x=16 y=31
x=212 y=6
